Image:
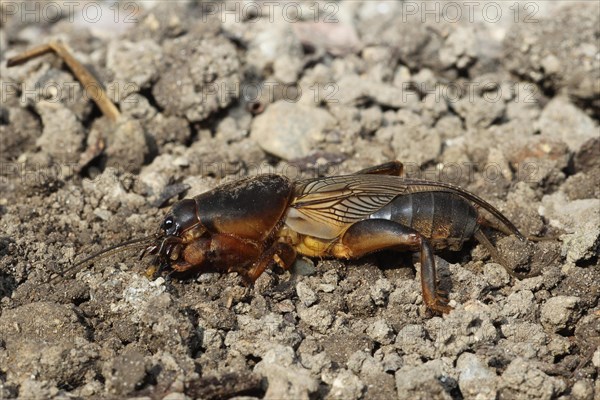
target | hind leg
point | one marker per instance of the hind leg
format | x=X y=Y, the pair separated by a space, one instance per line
x=372 y=235
x=394 y=168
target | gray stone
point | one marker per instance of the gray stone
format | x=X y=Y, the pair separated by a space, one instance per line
x=45 y=83
x=561 y=119
x=62 y=135
x=306 y=294
x=583 y=390
x=560 y=312
x=317 y=317
x=354 y=90
x=391 y=362
x=524 y=339
x=168 y=129
x=135 y=66
x=289 y=130
x=475 y=380
x=522 y=379
x=579 y=219
x=380 y=291
x=202 y=77
x=125 y=372
x=413 y=339
x=519 y=304
x=381 y=332
x=346 y=386
x=127 y=148
x=459 y=48
x=479 y=112
x=423 y=381
x=495 y=275
x=270 y=39
x=286 y=379
x=38 y=390
x=461 y=331
x=137 y=106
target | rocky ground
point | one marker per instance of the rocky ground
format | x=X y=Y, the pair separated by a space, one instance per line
x=505 y=105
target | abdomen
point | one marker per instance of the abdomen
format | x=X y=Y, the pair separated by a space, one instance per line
x=446 y=219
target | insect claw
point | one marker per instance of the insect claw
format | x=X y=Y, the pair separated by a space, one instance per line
x=246 y=280
x=168 y=276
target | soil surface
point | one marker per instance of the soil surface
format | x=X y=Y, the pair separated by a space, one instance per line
x=501 y=98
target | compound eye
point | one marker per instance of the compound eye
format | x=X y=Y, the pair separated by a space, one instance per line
x=168 y=224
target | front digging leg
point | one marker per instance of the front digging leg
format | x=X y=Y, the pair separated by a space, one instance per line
x=280 y=253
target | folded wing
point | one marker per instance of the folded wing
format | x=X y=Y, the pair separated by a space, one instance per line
x=326 y=207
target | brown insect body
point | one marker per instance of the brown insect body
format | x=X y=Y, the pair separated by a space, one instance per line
x=248 y=225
